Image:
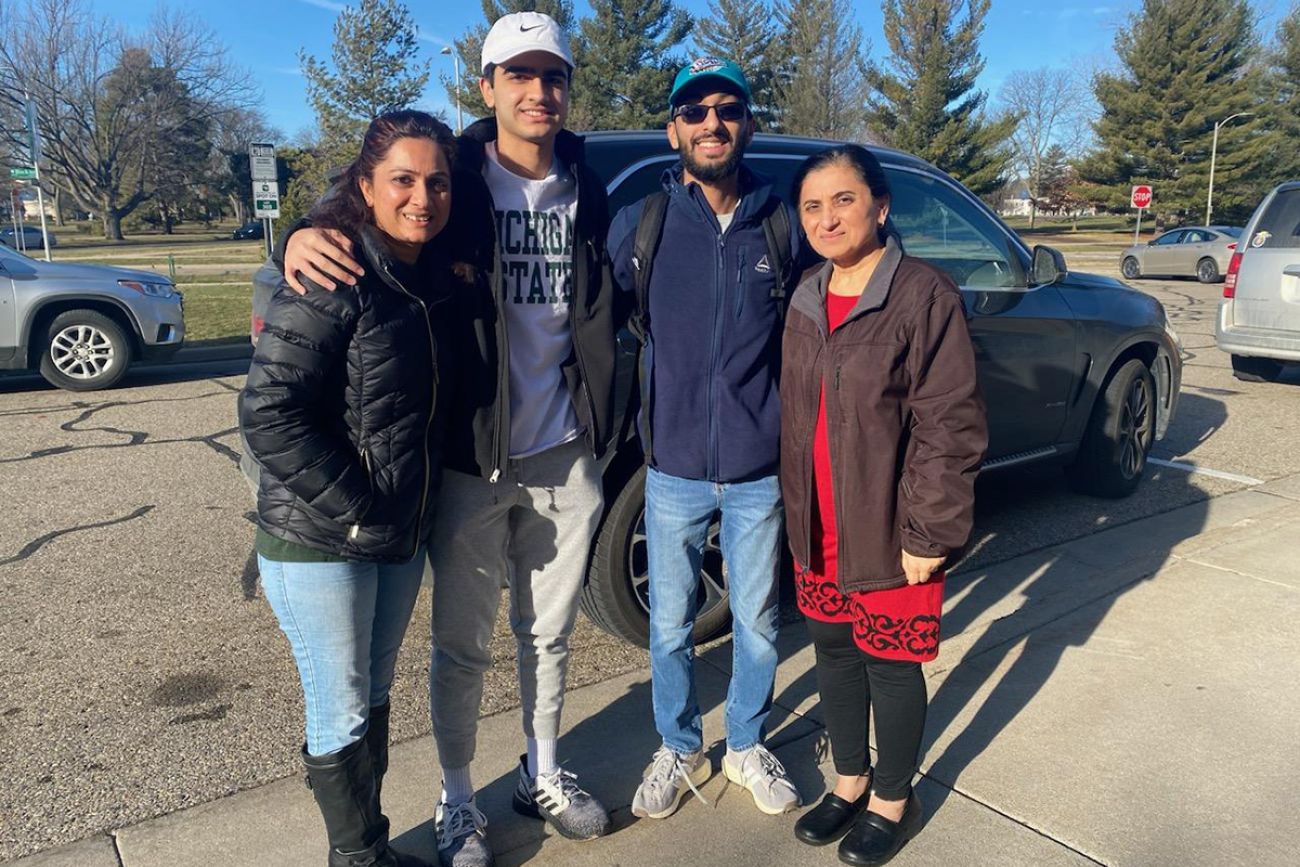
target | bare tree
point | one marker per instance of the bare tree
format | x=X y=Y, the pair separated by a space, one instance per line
x=110 y=104
x=1053 y=107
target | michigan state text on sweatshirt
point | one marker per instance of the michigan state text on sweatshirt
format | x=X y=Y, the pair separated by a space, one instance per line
x=535 y=231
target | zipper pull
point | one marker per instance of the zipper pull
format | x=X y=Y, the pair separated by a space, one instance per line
x=496 y=474
x=837 y=379
x=354 y=532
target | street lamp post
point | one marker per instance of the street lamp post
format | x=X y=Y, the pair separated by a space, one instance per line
x=455 y=59
x=1214 y=150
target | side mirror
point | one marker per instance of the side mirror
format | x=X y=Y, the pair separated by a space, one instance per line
x=1048 y=267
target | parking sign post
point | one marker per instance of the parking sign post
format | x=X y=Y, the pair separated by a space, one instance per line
x=266 y=188
x=1140 y=198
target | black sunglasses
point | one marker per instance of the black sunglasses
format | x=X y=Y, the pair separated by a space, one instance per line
x=694 y=113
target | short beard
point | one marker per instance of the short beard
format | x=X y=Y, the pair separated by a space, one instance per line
x=712 y=172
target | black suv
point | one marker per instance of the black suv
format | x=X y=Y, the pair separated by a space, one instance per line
x=1076 y=368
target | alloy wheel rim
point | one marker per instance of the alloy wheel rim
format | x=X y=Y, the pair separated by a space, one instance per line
x=82 y=352
x=712 y=588
x=1135 y=429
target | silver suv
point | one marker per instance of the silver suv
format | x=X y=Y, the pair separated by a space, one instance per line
x=81 y=326
x=1259 y=317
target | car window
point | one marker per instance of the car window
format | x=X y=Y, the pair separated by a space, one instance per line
x=1167 y=238
x=939 y=224
x=1279 y=225
x=1230 y=231
x=1195 y=236
x=639 y=184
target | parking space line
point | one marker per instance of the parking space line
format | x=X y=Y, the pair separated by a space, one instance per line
x=1205 y=471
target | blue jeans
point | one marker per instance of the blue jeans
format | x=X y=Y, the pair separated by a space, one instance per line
x=344 y=622
x=678 y=514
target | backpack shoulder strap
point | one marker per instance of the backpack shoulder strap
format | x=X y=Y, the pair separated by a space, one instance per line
x=649 y=229
x=776 y=227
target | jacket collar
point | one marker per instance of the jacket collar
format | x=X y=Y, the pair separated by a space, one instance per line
x=810 y=297
x=755 y=190
x=471 y=153
x=377 y=253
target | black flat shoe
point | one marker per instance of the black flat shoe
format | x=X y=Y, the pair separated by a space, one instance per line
x=827 y=822
x=875 y=839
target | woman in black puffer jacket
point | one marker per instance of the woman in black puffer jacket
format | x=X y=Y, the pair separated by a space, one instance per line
x=341 y=411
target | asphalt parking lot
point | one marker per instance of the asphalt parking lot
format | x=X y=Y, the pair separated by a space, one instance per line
x=142 y=671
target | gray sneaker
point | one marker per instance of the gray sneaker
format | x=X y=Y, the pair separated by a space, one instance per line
x=764 y=776
x=667 y=779
x=462 y=836
x=557 y=799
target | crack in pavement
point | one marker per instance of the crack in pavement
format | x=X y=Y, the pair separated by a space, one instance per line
x=36 y=544
x=209 y=440
x=134 y=437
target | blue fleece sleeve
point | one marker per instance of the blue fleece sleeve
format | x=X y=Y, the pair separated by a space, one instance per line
x=622 y=237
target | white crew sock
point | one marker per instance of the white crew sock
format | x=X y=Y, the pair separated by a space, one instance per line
x=457 y=787
x=541 y=756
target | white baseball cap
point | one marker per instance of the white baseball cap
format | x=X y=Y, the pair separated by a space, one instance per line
x=520 y=33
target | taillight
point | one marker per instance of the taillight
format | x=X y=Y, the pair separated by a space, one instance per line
x=1230 y=279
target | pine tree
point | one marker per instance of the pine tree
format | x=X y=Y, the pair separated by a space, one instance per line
x=1282 y=95
x=375 y=69
x=927 y=103
x=821 y=83
x=1186 y=66
x=627 y=63
x=470 y=47
x=744 y=31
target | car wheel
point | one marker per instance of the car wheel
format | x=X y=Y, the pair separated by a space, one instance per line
x=617 y=595
x=1129 y=268
x=1207 y=271
x=1120 y=432
x=84 y=350
x=1251 y=369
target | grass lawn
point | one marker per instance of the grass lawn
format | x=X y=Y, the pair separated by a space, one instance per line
x=217 y=311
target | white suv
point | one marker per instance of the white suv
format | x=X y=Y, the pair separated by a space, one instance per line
x=1259 y=317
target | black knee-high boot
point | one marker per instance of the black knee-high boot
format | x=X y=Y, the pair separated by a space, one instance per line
x=377 y=740
x=345 y=790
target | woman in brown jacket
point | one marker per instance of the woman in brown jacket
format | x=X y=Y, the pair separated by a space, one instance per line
x=882 y=434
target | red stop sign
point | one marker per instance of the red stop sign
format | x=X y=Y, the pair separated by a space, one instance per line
x=1141 y=197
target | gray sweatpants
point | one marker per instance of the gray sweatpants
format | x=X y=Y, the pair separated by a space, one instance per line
x=530 y=531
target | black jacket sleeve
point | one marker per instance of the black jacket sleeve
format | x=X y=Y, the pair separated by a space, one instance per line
x=303 y=343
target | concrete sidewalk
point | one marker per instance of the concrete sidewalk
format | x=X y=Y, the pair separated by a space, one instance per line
x=1127 y=698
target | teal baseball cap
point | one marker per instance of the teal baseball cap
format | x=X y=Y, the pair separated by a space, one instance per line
x=705 y=68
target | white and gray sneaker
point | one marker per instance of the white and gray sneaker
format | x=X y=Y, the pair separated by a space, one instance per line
x=764 y=776
x=667 y=779
x=462 y=835
x=556 y=798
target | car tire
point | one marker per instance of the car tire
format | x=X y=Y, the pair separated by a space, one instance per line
x=1120 y=432
x=616 y=596
x=84 y=350
x=1130 y=269
x=1207 y=271
x=1249 y=368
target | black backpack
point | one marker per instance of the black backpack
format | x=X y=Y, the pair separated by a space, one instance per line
x=650 y=229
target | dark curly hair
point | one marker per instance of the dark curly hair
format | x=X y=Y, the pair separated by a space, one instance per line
x=343 y=207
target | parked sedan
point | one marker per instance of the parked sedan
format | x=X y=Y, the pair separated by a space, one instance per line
x=1259 y=317
x=253 y=230
x=1202 y=252
x=81 y=326
x=27 y=238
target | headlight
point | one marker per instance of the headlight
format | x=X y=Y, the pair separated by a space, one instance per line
x=154 y=290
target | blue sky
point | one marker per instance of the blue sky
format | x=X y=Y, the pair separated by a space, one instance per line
x=265 y=35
